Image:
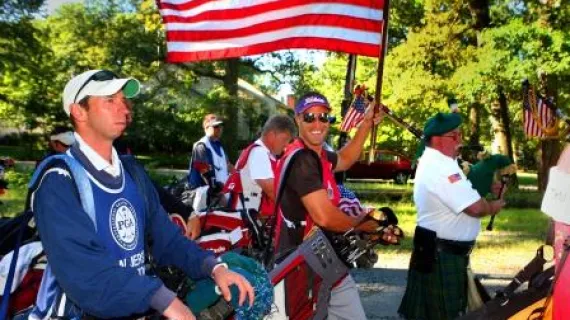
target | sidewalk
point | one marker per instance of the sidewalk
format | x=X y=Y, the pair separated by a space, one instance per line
x=381 y=290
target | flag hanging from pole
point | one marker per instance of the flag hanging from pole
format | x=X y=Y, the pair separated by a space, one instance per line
x=538 y=118
x=219 y=29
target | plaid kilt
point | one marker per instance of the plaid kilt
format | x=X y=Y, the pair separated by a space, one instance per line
x=439 y=295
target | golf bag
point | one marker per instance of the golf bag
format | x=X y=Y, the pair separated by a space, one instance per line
x=511 y=304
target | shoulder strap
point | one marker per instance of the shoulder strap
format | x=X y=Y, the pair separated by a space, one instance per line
x=78 y=175
x=83 y=185
x=244 y=156
x=284 y=174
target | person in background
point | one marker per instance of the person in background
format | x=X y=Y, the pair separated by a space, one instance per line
x=258 y=161
x=209 y=164
x=60 y=140
x=180 y=213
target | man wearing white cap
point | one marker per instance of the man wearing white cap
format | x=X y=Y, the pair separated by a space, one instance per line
x=97 y=254
x=59 y=142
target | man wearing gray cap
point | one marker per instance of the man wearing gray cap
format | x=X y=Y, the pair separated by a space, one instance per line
x=97 y=251
x=209 y=165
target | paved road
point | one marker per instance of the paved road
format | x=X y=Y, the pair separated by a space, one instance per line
x=381 y=290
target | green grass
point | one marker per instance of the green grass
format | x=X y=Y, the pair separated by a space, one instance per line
x=14 y=199
x=513 y=242
x=527 y=179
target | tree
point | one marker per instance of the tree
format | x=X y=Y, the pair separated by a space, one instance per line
x=20 y=53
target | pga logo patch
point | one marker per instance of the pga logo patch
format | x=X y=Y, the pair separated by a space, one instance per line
x=123 y=224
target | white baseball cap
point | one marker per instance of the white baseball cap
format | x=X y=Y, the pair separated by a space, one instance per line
x=97 y=83
x=66 y=138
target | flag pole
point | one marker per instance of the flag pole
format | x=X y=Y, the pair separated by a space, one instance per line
x=348 y=86
x=380 y=74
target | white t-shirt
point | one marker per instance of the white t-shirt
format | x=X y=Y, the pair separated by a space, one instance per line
x=258 y=166
x=258 y=163
x=441 y=193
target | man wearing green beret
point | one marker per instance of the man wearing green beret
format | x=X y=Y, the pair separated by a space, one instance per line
x=449 y=213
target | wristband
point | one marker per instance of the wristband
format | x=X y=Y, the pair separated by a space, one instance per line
x=221 y=264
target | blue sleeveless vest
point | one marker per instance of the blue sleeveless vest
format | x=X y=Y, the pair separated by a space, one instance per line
x=120 y=224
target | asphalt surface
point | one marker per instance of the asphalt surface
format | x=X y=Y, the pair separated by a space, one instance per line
x=381 y=290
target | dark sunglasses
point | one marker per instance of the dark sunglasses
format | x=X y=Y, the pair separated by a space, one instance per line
x=103 y=75
x=311 y=117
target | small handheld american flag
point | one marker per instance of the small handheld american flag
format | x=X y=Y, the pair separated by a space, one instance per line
x=356 y=110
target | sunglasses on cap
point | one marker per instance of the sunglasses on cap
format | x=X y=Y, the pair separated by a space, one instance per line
x=103 y=75
x=311 y=117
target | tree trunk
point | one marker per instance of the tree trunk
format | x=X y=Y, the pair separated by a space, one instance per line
x=474 y=124
x=499 y=145
x=548 y=157
x=506 y=124
x=231 y=107
x=481 y=18
x=231 y=76
x=550 y=149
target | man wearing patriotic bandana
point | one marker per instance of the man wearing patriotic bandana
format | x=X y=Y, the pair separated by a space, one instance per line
x=449 y=220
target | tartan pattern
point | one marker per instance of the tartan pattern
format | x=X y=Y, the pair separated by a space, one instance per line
x=439 y=295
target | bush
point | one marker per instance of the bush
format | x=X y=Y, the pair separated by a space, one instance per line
x=523 y=199
x=18 y=179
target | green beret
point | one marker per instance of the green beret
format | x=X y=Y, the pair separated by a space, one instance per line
x=438 y=125
x=441 y=124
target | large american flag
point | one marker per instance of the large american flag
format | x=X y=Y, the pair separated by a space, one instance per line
x=218 y=29
x=350 y=204
x=354 y=115
x=534 y=120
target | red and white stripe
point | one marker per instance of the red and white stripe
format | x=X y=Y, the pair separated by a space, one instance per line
x=544 y=114
x=217 y=29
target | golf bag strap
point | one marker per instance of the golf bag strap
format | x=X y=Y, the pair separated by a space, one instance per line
x=78 y=175
x=268 y=258
x=50 y=294
x=8 y=285
x=533 y=267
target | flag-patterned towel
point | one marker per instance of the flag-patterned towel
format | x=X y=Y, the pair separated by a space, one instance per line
x=211 y=30
x=354 y=115
x=350 y=204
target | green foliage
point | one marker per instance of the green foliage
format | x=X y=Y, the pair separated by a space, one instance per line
x=21 y=151
x=434 y=51
x=13 y=200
